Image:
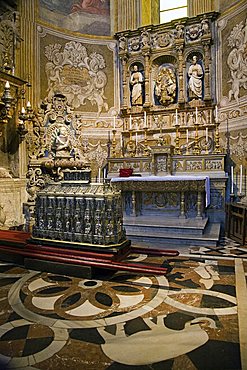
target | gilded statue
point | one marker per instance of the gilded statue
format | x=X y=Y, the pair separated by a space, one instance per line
x=166 y=85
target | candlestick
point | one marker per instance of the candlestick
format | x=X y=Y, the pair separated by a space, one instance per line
x=241 y=179
x=130 y=122
x=145 y=119
x=232 y=180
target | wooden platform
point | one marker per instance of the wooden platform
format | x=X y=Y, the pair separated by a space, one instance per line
x=17 y=247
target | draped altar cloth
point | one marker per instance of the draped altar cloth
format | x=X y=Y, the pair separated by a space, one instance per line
x=168 y=178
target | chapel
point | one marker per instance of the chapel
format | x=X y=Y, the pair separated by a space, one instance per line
x=123 y=184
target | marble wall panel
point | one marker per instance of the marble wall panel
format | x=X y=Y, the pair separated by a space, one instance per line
x=12 y=196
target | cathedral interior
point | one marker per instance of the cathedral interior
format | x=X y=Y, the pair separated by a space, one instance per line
x=123 y=185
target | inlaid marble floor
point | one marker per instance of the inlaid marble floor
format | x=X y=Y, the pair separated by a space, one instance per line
x=192 y=318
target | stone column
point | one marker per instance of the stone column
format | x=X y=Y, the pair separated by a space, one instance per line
x=207 y=69
x=196 y=7
x=27 y=56
x=127 y=14
x=181 y=67
x=147 y=75
x=124 y=103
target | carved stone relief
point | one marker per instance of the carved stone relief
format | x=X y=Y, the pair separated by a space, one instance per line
x=237 y=60
x=76 y=74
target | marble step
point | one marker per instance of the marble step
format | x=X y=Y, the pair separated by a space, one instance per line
x=155 y=237
x=160 y=225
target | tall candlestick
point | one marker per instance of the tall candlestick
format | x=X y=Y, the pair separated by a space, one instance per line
x=176 y=117
x=130 y=122
x=232 y=180
x=241 y=179
x=206 y=134
x=216 y=113
x=114 y=122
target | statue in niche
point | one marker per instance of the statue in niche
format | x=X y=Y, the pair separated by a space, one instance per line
x=165 y=86
x=195 y=74
x=136 y=81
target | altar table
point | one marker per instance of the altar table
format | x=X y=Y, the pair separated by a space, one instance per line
x=169 y=183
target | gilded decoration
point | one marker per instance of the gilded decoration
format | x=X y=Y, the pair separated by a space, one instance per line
x=166 y=85
x=171 y=186
x=57 y=141
x=9 y=38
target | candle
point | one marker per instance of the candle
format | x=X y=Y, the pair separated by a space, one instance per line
x=23 y=110
x=104 y=174
x=121 y=141
x=232 y=180
x=99 y=176
x=196 y=115
x=145 y=119
x=176 y=117
x=241 y=179
x=187 y=136
x=114 y=122
x=216 y=113
x=28 y=104
x=7 y=85
x=206 y=134
x=130 y=122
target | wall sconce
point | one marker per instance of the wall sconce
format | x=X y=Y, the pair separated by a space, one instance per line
x=25 y=115
x=14 y=91
x=6 y=104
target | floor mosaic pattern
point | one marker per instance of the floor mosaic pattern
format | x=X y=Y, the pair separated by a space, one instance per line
x=188 y=319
